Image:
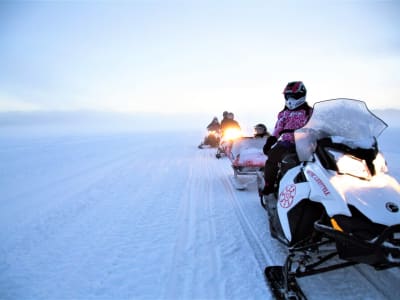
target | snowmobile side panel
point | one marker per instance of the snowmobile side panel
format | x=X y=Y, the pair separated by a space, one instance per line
x=322 y=190
x=290 y=194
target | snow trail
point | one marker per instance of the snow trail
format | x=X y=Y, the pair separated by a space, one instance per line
x=139 y=216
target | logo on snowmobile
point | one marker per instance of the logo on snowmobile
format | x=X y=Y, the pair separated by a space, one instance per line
x=286 y=197
x=392 y=207
x=320 y=183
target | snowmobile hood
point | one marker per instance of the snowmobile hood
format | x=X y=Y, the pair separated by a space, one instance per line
x=377 y=199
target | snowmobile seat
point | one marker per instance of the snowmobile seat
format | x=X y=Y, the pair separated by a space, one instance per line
x=289 y=161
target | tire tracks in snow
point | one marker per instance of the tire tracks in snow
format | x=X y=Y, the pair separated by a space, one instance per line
x=104 y=193
x=221 y=220
x=252 y=222
x=66 y=188
x=196 y=240
x=254 y=240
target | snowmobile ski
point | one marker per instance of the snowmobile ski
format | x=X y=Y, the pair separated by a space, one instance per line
x=281 y=288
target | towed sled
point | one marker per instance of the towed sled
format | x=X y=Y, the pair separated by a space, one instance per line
x=335 y=204
x=247 y=158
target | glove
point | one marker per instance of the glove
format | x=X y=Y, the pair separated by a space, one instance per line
x=271 y=140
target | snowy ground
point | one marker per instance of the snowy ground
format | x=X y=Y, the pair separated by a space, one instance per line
x=145 y=216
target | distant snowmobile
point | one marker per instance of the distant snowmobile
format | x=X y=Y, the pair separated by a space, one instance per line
x=211 y=140
x=335 y=204
x=225 y=145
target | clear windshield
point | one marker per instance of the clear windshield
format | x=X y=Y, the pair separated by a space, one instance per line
x=345 y=119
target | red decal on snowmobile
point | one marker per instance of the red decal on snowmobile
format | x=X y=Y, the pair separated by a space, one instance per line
x=286 y=197
x=318 y=180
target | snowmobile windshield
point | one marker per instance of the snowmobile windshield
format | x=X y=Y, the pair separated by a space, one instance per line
x=346 y=121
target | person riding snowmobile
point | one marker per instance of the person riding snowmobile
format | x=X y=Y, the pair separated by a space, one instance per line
x=229 y=122
x=224 y=116
x=224 y=120
x=213 y=134
x=230 y=130
x=295 y=115
x=260 y=131
x=214 y=125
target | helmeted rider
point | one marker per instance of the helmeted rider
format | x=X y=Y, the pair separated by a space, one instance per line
x=214 y=125
x=229 y=122
x=224 y=120
x=295 y=115
x=260 y=131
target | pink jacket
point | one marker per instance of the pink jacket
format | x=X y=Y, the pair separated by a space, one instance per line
x=290 y=120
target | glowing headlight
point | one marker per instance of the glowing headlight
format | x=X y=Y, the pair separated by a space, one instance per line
x=232 y=134
x=351 y=165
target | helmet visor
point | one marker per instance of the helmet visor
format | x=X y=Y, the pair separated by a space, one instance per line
x=296 y=96
x=293 y=103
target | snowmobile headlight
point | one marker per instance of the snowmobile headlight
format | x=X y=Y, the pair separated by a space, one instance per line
x=351 y=165
x=232 y=134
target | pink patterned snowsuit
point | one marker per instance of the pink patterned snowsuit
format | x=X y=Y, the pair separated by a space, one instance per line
x=288 y=121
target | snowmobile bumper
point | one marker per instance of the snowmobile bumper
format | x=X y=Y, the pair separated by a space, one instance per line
x=382 y=252
x=247 y=170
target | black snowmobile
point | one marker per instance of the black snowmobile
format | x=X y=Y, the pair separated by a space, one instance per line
x=211 y=140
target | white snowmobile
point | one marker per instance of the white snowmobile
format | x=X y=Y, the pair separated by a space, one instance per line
x=335 y=204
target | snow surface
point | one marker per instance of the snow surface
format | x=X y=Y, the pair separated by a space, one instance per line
x=145 y=216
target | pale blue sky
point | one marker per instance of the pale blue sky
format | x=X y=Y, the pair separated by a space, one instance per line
x=196 y=56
